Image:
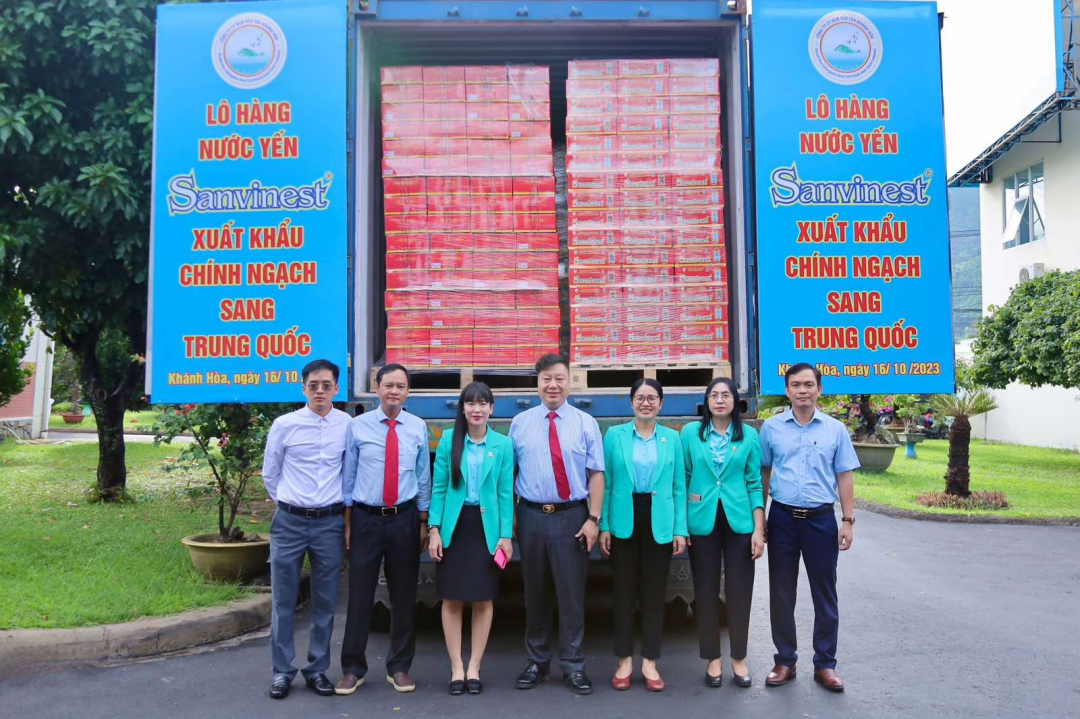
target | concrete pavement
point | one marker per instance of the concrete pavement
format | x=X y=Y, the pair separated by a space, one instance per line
x=937 y=620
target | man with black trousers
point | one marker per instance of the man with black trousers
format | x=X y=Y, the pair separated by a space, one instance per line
x=560 y=486
x=807 y=464
x=302 y=474
x=387 y=488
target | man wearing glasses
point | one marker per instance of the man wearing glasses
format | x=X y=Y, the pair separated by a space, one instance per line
x=302 y=471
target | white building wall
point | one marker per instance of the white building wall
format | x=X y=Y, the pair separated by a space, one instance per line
x=1047 y=416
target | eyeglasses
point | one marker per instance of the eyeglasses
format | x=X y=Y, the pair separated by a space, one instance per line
x=646 y=399
x=714 y=397
x=313 y=386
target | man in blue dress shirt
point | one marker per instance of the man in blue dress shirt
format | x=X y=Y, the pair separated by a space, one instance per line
x=302 y=474
x=807 y=463
x=387 y=490
x=560 y=487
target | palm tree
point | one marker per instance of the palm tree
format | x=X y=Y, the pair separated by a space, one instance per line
x=962 y=406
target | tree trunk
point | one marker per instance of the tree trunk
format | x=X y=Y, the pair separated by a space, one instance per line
x=958 y=475
x=112 y=466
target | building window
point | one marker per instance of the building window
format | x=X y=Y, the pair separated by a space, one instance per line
x=1025 y=206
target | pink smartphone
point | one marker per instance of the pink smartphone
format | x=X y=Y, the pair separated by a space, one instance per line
x=500 y=558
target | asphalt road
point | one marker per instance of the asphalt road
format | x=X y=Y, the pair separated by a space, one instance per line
x=937 y=620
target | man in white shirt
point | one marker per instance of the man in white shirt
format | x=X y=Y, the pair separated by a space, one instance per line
x=302 y=471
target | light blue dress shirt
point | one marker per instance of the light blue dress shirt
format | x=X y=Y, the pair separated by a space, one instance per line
x=582 y=449
x=644 y=462
x=302 y=465
x=365 y=452
x=474 y=461
x=719 y=444
x=806 y=460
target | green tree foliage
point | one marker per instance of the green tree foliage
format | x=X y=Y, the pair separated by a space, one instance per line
x=962 y=406
x=14 y=315
x=1034 y=338
x=76 y=98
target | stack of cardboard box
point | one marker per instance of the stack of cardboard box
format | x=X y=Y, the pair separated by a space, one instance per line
x=648 y=268
x=472 y=248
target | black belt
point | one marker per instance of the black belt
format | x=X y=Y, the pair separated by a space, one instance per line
x=802 y=512
x=386 y=511
x=552 y=507
x=312 y=512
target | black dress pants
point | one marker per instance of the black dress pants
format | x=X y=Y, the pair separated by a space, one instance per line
x=707 y=552
x=639 y=567
x=375 y=540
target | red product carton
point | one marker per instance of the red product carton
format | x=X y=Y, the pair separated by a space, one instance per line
x=594 y=296
x=698 y=236
x=700 y=352
x=436 y=146
x=534 y=222
x=528 y=354
x=590 y=124
x=576 y=144
x=698 y=254
x=599 y=105
x=488 y=148
x=591 y=257
x=642 y=180
x=402 y=93
x=487 y=93
x=488 y=242
x=705 y=312
x=537 y=241
x=403 y=129
x=535 y=317
x=641 y=161
x=449 y=301
x=586 y=355
x=591 y=88
x=629 y=86
x=690 y=161
x=401 y=319
x=644 y=142
x=700 y=274
x=593 y=200
x=527 y=129
x=592 y=68
x=502 y=262
x=533 y=299
x=447 y=165
x=648 y=200
x=450 y=356
x=403 y=166
x=701 y=67
x=645 y=354
x=517 y=110
x=644 y=68
x=646 y=275
x=695 y=123
x=487 y=222
x=594 y=334
x=697 y=180
x=695 y=85
x=591 y=162
x=444 y=74
x=709 y=293
x=533 y=203
x=453 y=317
x=451 y=242
x=485 y=73
x=645 y=237
x=405 y=300
x=418 y=243
x=593 y=238
x=518 y=74
x=650 y=334
x=693 y=104
x=412 y=356
x=646 y=256
x=531 y=147
x=638 y=296
x=406 y=280
x=490 y=319
x=445 y=128
x=650 y=219
x=494 y=129
x=642 y=314
x=445 y=111
x=405 y=205
x=593 y=219
x=534 y=185
x=695 y=217
x=405 y=223
x=689 y=141
x=494 y=356
x=697 y=198
x=444 y=93
x=529 y=93
x=401 y=75
x=457 y=260
x=592 y=277
x=593 y=315
x=404 y=186
x=411 y=111
x=482 y=111
x=407 y=337
x=532 y=280
x=405 y=261
x=649 y=123
x=448 y=186
x=489 y=166
x=537 y=260
x=643 y=105
x=577 y=181
x=490 y=185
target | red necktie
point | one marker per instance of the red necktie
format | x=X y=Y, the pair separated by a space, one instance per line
x=390 y=465
x=562 y=482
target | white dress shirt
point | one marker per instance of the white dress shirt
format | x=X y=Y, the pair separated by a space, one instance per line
x=304 y=455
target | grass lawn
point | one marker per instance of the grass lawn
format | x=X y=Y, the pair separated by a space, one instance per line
x=69 y=563
x=133 y=421
x=1038 y=482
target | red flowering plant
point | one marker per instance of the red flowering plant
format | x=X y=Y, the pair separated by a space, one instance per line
x=862 y=414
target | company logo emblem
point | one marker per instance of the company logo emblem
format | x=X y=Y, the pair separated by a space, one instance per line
x=249 y=50
x=845 y=47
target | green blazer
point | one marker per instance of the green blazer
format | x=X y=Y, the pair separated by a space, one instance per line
x=669 y=491
x=739 y=483
x=496 y=490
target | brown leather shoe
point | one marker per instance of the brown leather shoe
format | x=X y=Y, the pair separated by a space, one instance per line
x=779 y=676
x=829 y=679
x=348 y=684
x=402 y=682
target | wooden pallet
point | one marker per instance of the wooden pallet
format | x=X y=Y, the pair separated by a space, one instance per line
x=620 y=377
x=450 y=379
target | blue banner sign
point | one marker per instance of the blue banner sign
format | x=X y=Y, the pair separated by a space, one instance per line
x=852 y=216
x=248 y=238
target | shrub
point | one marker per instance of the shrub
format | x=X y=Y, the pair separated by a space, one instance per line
x=976 y=500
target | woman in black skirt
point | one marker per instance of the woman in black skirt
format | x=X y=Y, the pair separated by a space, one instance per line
x=470 y=526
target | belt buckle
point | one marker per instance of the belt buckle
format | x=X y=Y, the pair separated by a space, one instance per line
x=800 y=512
x=388 y=511
x=310 y=513
x=548 y=508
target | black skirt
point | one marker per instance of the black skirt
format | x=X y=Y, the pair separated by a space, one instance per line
x=467 y=572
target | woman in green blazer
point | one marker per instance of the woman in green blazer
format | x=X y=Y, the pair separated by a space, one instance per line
x=726 y=517
x=471 y=519
x=643 y=523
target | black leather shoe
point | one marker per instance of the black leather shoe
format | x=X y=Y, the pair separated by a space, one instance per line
x=456 y=687
x=280 y=688
x=475 y=686
x=532 y=676
x=714 y=682
x=744 y=682
x=578 y=681
x=319 y=684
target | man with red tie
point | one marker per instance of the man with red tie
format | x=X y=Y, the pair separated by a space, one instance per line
x=387 y=489
x=560 y=487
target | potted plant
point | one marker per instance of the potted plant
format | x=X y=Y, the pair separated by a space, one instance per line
x=907 y=408
x=228 y=440
x=74 y=414
x=874 y=444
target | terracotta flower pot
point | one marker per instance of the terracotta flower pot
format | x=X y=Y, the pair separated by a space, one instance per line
x=73 y=418
x=228 y=562
x=875 y=457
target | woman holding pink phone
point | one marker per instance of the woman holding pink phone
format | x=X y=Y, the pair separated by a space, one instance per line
x=470 y=527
